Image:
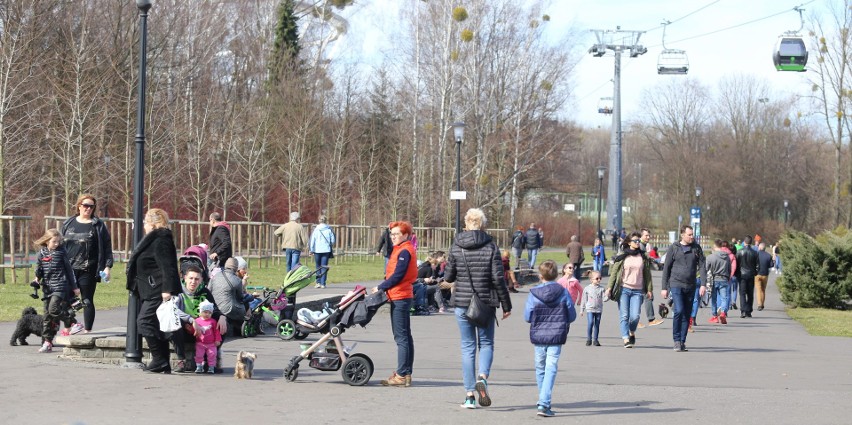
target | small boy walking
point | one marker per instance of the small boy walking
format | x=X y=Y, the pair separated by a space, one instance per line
x=592 y=305
x=549 y=311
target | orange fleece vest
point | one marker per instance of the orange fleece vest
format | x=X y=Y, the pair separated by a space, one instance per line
x=403 y=289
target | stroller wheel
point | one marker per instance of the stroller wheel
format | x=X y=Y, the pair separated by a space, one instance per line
x=248 y=330
x=300 y=335
x=291 y=374
x=357 y=370
x=286 y=329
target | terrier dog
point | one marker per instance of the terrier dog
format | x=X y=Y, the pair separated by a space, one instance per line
x=29 y=323
x=245 y=365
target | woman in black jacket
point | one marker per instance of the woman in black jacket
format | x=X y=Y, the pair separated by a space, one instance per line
x=89 y=249
x=474 y=265
x=152 y=274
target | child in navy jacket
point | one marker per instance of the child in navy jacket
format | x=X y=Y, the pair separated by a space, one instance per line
x=549 y=311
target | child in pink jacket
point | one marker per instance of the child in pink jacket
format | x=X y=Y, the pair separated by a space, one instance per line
x=569 y=282
x=207 y=338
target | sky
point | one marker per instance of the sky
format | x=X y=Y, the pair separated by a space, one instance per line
x=700 y=27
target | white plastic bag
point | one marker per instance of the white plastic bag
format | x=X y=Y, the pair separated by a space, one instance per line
x=168 y=316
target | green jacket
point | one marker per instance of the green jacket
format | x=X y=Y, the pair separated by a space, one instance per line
x=617 y=270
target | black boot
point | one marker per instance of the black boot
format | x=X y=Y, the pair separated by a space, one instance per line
x=158 y=363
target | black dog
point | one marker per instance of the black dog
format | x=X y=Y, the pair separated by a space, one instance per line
x=29 y=323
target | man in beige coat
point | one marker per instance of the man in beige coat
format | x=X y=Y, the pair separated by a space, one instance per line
x=293 y=240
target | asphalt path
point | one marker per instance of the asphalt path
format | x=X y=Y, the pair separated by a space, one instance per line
x=766 y=369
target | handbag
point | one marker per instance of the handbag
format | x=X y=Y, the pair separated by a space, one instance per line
x=168 y=317
x=615 y=292
x=478 y=312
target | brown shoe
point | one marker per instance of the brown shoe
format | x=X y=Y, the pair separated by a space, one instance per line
x=640 y=325
x=655 y=322
x=394 y=381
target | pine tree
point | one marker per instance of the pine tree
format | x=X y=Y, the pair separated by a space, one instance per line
x=285 y=49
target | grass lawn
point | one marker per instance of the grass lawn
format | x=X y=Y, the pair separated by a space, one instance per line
x=823 y=322
x=13 y=298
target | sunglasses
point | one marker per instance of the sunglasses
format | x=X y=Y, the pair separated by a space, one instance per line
x=87 y=205
x=635 y=240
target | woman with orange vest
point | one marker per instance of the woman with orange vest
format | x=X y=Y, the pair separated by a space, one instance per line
x=400 y=274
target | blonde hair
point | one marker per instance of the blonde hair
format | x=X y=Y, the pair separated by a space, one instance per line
x=474 y=219
x=594 y=273
x=48 y=235
x=504 y=252
x=157 y=218
x=547 y=270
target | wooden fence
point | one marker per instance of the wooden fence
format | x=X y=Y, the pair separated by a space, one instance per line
x=16 y=245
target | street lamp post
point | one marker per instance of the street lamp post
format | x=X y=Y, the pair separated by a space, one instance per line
x=458 y=131
x=697 y=225
x=786 y=212
x=601 y=171
x=133 y=341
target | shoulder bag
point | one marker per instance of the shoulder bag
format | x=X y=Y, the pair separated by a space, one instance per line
x=478 y=312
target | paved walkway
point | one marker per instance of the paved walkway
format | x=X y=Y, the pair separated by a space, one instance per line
x=752 y=371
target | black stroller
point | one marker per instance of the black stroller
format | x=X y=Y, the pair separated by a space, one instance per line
x=357 y=368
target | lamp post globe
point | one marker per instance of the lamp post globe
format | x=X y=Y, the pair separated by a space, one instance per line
x=458 y=132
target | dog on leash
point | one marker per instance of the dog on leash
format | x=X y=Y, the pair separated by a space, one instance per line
x=245 y=365
x=29 y=323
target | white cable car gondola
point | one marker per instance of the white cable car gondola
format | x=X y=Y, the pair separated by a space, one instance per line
x=605 y=106
x=671 y=61
x=791 y=54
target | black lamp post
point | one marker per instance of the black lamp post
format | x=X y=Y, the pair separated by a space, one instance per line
x=786 y=212
x=458 y=131
x=133 y=341
x=601 y=170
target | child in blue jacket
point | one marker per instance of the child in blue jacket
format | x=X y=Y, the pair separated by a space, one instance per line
x=549 y=311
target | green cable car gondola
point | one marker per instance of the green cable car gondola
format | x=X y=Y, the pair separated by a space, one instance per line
x=790 y=54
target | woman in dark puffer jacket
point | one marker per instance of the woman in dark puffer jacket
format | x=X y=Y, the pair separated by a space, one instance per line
x=152 y=273
x=474 y=264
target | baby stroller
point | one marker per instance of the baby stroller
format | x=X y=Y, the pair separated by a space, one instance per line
x=295 y=281
x=195 y=255
x=271 y=301
x=357 y=368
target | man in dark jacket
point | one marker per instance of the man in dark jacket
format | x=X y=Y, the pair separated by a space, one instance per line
x=764 y=263
x=519 y=240
x=746 y=271
x=385 y=245
x=574 y=251
x=532 y=240
x=220 y=239
x=684 y=261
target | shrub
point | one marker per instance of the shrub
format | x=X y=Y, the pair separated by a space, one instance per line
x=817 y=270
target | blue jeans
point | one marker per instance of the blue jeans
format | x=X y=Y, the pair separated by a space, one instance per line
x=292 y=256
x=322 y=262
x=696 y=301
x=719 y=299
x=546 y=366
x=629 y=306
x=733 y=289
x=778 y=264
x=419 y=295
x=469 y=335
x=682 y=298
x=532 y=253
x=598 y=264
x=401 y=327
x=593 y=325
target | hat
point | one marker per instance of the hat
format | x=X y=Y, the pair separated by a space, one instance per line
x=241 y=263
x=205 y=306
x=231 y=264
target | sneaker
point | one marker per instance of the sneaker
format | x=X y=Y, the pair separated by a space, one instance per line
x=632 y=339
x=469 y=402
x=641 y=325
x=199 y=368
x=180 y=367
x=734 y=306
x=65 y=332
x=211 y=370
x=627 y=344
x=588 y=342
x=545 y=412
x=482 y=392
x=760 y=308
x=407 y=380
x=394 y=381
x=597 y=344
x=714 y=319
x=441 y=310
x=691 y=323
x=47 y=347
x=655 y=322
x=677 y=346
x=723 y=318
x=683 y=346
x=316 y=285
x=76 y=328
